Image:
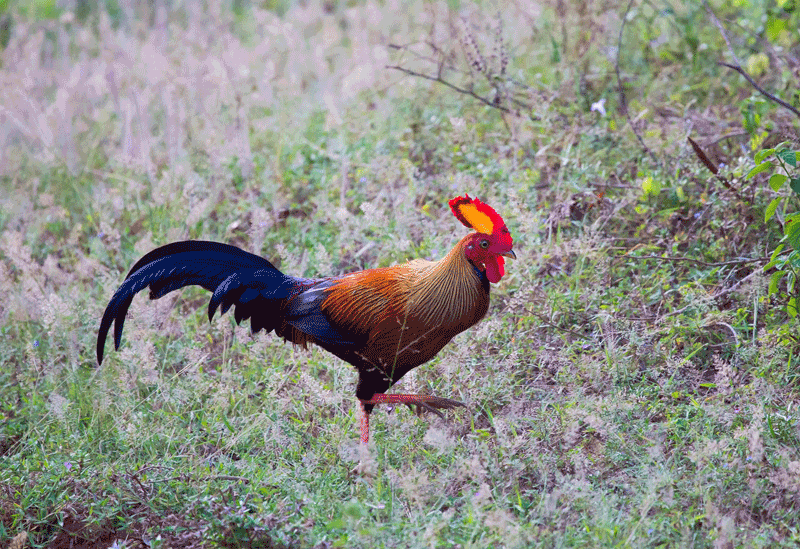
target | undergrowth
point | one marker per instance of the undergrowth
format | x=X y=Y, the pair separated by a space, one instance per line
x=635 y=383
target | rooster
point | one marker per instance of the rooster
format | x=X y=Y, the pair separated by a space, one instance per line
x=382 y=321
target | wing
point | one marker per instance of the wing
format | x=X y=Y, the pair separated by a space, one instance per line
x=304 y=312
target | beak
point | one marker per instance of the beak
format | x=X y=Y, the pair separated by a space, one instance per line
x=510 y=253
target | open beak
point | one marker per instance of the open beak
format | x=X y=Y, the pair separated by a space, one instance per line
x=510 y=253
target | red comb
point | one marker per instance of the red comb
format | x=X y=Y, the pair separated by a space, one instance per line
x=476 y=215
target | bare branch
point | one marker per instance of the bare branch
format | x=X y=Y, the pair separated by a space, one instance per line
x=717 y=295
x=450 y=85
x=738 y=65
x=761 y=90
x=722 y=31
x=703 y=263
x=505 y=94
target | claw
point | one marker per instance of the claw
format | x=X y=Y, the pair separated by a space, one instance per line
x=427 y=403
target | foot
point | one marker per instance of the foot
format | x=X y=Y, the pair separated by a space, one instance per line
x=429 y=403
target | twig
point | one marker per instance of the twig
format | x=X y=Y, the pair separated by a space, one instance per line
x=713 y=168
x=188 y=478
x=761 y=90
x=717 y=295
x=440 y=55
x=225 y=477
x=722 y=31
x=726 y=136
x=441 y=80
x=729 y=327
x=703 y=263
x=548 y=324
x=623 y=100
x=738 y=66
x=286 y=379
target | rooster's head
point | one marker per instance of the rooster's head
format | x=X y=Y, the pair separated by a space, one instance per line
x=491 y=242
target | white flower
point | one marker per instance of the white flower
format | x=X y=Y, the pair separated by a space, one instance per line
x=599 y=106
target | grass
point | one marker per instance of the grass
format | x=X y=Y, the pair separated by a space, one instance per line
x=635 y=384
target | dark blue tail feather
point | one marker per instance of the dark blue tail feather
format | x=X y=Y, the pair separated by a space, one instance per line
x=236 y=277
x=249 y=283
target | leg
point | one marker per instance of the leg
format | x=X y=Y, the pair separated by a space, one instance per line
x=427 y=402
x=364 y=424
x=367 y=466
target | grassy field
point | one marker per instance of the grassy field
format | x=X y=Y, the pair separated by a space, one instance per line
x=635 y=383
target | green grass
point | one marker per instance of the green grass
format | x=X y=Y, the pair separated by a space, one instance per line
x=633 y=385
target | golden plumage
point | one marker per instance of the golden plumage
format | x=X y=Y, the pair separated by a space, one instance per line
x=404 y=315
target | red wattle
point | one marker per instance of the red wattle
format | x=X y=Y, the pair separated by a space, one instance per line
x=495 y=269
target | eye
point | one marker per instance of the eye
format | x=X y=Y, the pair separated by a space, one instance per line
x=484 y=244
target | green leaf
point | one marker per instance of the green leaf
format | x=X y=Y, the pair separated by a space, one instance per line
x=794 y=184
x=789 y=156
x=779 y=262
x=762 y=154
x=774 y=259
x=774 y=280
x=773 y=206
x=793 y=259
x=764 y=166
x=791 y=307
x=650 y=186
x=778 y=250
x=774 y=27
x=777 y=180
x=792 y=230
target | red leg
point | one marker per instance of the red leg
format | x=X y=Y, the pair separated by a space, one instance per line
x=366 y=466
x=364 y=424
x=428 y=402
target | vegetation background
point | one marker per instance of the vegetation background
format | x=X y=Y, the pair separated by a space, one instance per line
x=635 y=383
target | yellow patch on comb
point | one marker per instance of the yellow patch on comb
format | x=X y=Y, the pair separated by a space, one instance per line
x=477 y=219
x=476 y=215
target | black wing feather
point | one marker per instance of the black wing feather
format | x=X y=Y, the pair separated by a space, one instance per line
x=304 y=312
